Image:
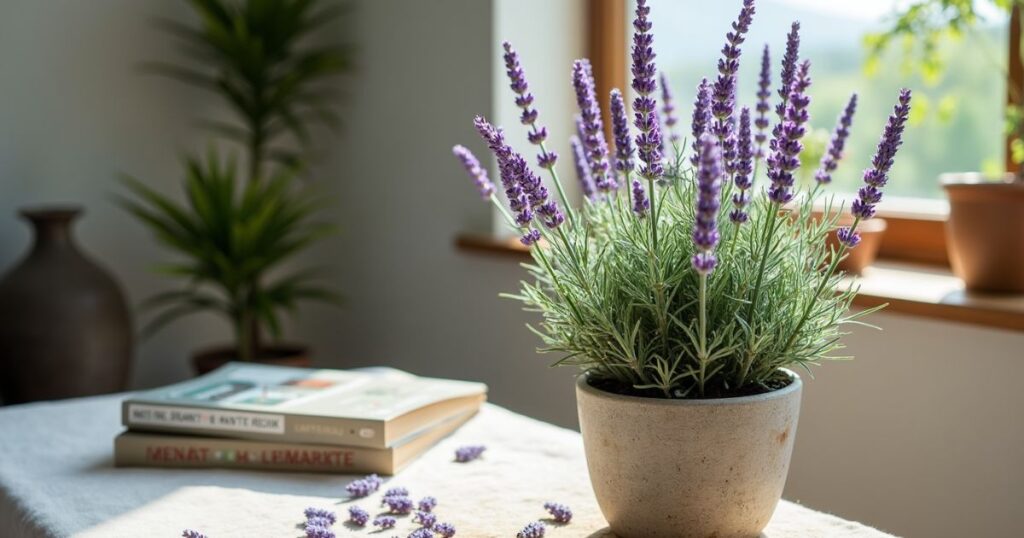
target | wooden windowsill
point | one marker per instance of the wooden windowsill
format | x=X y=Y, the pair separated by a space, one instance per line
x=911 y=289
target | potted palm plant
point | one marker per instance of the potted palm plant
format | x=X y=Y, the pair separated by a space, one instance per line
x=242 y=222
x=687 y=294
x=985 y=230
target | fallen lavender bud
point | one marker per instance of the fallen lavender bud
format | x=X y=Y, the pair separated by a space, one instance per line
x=364 y=486
x=426 y=504
x=425 y=519
x=358 y=516
x=533 y=530
x=318 y=531
x=319 y=522
x=467 y=453
x=322 y=513
x=559 y=512
x=189 y=533
x=446 y=530
x=385 y=522
x=399 y=504
x=421 y=533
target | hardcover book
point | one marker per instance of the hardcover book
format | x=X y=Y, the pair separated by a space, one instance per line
x=376 y=408
x=135 y=449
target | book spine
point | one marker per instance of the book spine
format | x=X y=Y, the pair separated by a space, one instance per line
x=259 y=426
x=143 y=450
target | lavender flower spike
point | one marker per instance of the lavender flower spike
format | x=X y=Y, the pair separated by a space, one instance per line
x=559 y=512
x=648 y=140
x=701 y=117
x=789 y=60
x=709 y=183
x=511 y=167
x=579 y=160
x=785 y=145
x=763 y=94
x=830 y=160
x=593 y=132
x=620 y=128
x=475 y=171
x=358 y=516
x=364 y=486
x=668 y=108
x=640 y=202
x=877 y=176
x=189 y=533
x=524 y=100
x=532 y=530
x=743 y=176
x=723 y=95
x=445 y=530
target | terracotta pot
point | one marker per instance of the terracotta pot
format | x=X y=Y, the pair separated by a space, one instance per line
x=295 y=355
x=985 y=232
x=688 y=468
x=65 y=328
x=863 y=255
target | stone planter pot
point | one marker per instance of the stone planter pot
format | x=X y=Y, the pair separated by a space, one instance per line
x=985 y=232
x=295 y=355
x=688 y=468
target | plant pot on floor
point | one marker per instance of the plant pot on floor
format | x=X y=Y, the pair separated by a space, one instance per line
x=295 y=355
x=688 y=468
x=985 y=232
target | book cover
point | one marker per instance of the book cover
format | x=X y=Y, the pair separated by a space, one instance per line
x=136 y=449
x=375 y=408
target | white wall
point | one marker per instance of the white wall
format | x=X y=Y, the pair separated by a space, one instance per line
x=918 y=436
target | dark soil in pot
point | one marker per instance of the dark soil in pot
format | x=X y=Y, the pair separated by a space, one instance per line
x=295 y=355
x=711 y=392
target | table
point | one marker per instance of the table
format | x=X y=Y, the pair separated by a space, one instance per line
x=57 y=479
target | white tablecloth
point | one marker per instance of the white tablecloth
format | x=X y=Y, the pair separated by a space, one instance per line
x=57 y=479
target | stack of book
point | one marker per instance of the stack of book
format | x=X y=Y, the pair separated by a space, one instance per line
x=293 y=419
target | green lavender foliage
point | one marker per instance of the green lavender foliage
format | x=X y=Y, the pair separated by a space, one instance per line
x=626 y=310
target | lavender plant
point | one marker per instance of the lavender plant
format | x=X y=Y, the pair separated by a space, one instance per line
x=689 y=275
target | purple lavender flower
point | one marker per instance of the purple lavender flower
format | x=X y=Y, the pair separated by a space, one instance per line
x=593 y=133
x=763 y=94
x=467 y=453
x=579 y=160
x=364 y=486
x=668 y=109
x=321 y=513
x=530 y=237
x=723 y=94
x=877 y=176
x=318 y=531
x=785 y=145
x=396 y=492
x=446 y=530
x=620 y=128
x=522 y=187
x=830 y=160
x=426 y=504
x=385 y=522
x=421 y=533
x=701 y=117
x=357 y=515
x=318 y=522
x=425 y=519
x=648 y=140
x=524 y=100
x=789 y=60
x=532 y=530
x=475 y=171
x=398 y=504
x=640 y=202
x=559 y=512
x=743 y=177
x=189 y=533
x=709 y=183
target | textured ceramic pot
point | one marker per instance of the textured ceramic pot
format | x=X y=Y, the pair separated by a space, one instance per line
x=985 y=232
x=65 y=328
x=688 y=468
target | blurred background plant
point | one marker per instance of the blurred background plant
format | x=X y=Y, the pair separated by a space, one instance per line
x=235 y=228
x=922 y=26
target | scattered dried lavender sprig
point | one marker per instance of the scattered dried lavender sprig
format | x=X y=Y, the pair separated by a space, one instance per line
x=425 y=519
x=399 y=504
x=364 y=486
x=560 y=512
x=189 y=533
x=385 y=522
x=312 y=512
x=421 y=533
x=469 y=453
x=318 y=531
x=355 y=515
x=535 y=529
x=426 y=504
x=446 y=530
